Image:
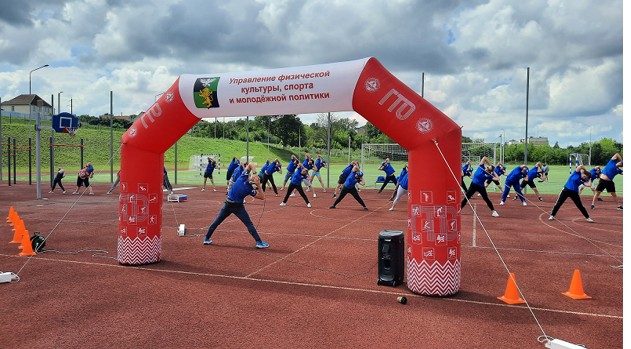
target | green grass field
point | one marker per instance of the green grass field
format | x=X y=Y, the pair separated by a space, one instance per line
x=96 y=148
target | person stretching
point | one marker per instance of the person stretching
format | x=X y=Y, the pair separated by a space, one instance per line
x=268 y=174
x=570 y=190
x=477 y=184
x=512 y=180
x=613 y=168
x=342 y=178
x=291 y=167
x=390 y=176
x=529 y=180
x=296 y=183
x=402 y=187
x=355 y=177
x=243 y=186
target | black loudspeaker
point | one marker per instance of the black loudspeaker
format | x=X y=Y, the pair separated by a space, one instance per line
x=391 y=252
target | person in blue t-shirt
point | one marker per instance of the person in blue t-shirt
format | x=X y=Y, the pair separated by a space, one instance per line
x=246 y=184
x=402 y=187
x=235 y=174
x=315 y=172
x=529 y=180
x=234 y=163
x=308 y=163
x=342 y=178
x=208 y=173
x=268 y=174
x=467 y=170
x=355 y=177
x=613 y=168
x=480 y=176
x=570 y=190
x=499 y=170
x=594 y=175
x=404 y=172
x=291 y=167
x=262 y=171
x=299 y=175
x=390 y=176
x=512 y=180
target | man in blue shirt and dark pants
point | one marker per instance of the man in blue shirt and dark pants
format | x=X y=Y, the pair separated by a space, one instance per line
x=243 y=186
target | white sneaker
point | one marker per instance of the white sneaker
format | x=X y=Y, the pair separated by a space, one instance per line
x=551 y=218
x=589 y=219
x=292 y=194
x=324 y=190
x=314 y=195
x=501 y=203
x=203 y=189
x=524 y=203
x=283 y=204
x=214 y=189
x=307 y=189
x=309 y=205
x=495 y=214
x=50 y=192
x=391 y=209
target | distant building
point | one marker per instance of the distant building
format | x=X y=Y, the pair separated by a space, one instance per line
x=20 y=105
x=536 y=140
x=118 y=117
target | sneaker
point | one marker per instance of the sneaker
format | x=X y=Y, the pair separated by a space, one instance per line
x=365 y=208
x=314 y=195
x=262 y=244
x=75 y=193
x=208 y=241
x=203 y=189
x=479 y=194
x=63 y=192
x=515 y=198
x=334 y=196
x=551 y=218
x=600 y=199
x=391 y=209
x=589 y=219
x=592 y=207
x=541 y=199
x=331 y=206
x=109 y=193
x=309 y=205
x=50 y=192
x=292 y=194
x=495 y=214
x=324 y=190
x=283 y=204
x=214 y=189
x=501 y=203
x=619 y=208
x=524 y=203
x=91 y=194
x=283 y=188
x=307 y=189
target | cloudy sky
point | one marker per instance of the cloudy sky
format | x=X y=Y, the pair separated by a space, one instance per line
x=474 y=54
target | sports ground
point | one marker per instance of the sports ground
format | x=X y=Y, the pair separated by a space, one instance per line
x=315 y=287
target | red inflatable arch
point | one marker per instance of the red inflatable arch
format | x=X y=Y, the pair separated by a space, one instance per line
x=365 y=86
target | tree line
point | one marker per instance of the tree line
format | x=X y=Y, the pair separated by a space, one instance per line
x=290 y=131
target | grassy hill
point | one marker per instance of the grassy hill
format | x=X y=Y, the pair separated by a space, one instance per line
x=96 y=148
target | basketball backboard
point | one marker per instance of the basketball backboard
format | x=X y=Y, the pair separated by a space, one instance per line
x=63 y=122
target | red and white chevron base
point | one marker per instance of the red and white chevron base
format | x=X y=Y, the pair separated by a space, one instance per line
x=139 y=250
x=433 y=279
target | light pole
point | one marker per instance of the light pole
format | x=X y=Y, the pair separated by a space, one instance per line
x=38 y=153
x=59 y=101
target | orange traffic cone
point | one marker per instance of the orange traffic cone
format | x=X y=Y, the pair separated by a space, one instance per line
x=576 y=287
x=511 y=295
x=11 y=211
x=27 y=248
x=13 y=217
x=18 y=230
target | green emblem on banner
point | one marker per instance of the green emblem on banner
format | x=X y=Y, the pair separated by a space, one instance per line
x=205 y=93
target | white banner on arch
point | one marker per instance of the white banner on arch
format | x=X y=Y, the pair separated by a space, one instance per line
x=296 y=90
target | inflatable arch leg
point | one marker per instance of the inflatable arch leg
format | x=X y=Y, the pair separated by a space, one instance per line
x=431 y=138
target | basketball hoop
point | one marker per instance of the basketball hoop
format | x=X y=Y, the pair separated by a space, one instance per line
x=72 y=131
